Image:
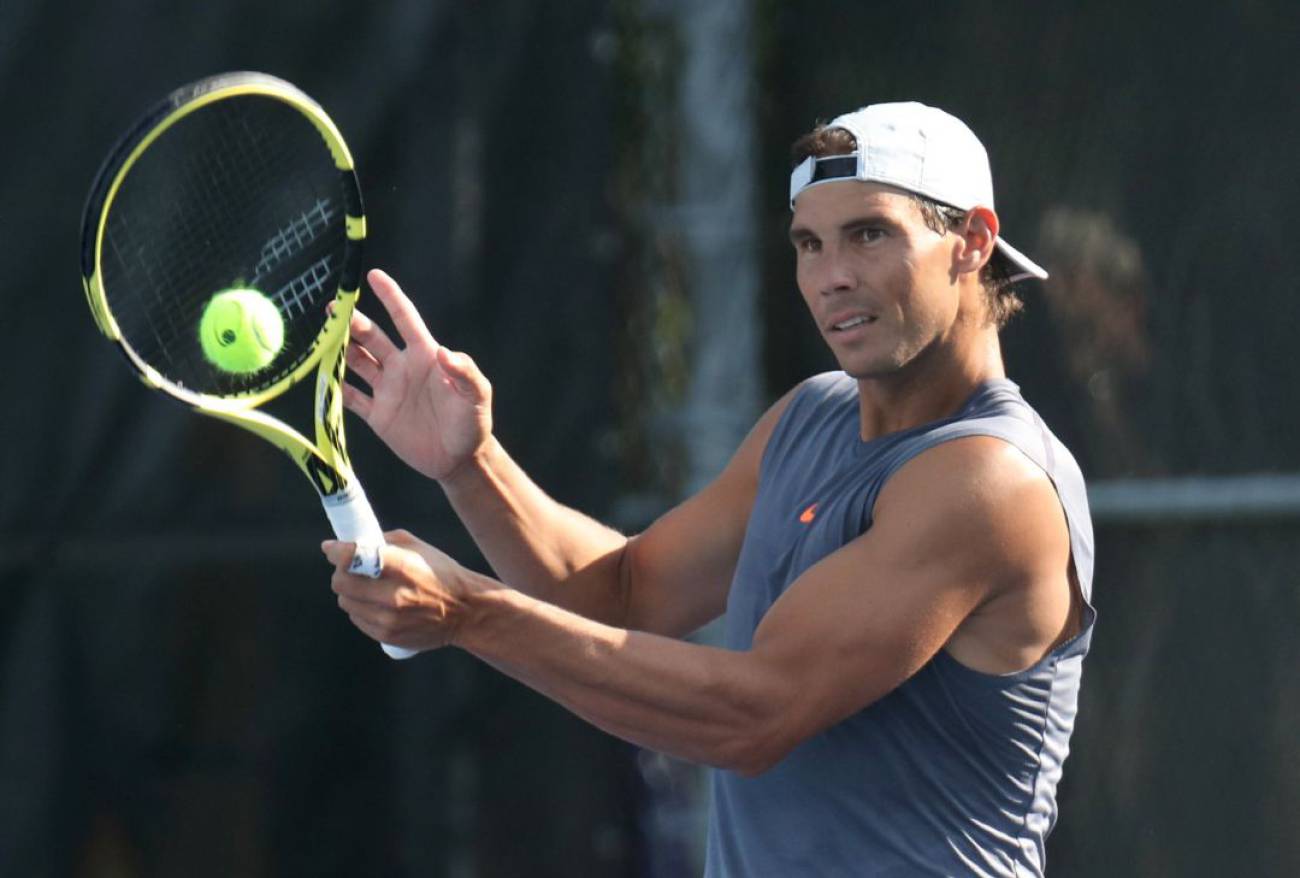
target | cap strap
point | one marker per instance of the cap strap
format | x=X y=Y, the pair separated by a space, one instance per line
x=814 y=170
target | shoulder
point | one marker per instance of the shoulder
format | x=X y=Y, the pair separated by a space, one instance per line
x=990 y=519
x=792 y=414
x=977 y=458
x=822 y=397
x=804 y=398
x=983 y=498
x=969 y=473
x=826 y=387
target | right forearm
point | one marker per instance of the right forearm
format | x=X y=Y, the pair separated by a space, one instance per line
x=536 y=544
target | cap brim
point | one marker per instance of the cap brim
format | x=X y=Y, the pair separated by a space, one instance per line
x=1027 y=267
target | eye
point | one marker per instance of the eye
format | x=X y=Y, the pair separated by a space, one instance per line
x=808 y=245
x=867 y=234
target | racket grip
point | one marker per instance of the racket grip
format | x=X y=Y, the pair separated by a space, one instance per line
x=354 y=521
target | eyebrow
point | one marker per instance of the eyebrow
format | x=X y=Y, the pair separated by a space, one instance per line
x=800 y=233
x=870 y=218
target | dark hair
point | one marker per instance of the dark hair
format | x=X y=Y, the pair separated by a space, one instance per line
x=995 y=276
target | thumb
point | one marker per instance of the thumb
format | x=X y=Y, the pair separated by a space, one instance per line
x=337 y=552
x=464 y=374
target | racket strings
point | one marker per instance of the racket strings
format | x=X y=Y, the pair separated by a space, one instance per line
x=193 y=211
x=295 y=236
x=239 y=193
x=185 y=197
x=309 y=287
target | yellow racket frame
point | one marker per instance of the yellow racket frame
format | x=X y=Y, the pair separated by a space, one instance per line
x=324 y=461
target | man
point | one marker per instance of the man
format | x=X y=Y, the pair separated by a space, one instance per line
x=902 y=550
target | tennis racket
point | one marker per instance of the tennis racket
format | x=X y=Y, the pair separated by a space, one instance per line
x=238 y=182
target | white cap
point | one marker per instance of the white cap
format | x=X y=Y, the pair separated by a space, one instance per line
x=918 y=148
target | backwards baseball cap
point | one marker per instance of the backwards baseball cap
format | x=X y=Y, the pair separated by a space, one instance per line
x=918 y=148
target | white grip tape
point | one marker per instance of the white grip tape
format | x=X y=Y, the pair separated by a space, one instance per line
x=354 y=521
x=367 y=560
x=352 y=518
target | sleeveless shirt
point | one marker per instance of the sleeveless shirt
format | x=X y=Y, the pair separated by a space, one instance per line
x=954 y=772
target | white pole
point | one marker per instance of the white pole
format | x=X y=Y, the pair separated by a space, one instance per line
x=715 y=221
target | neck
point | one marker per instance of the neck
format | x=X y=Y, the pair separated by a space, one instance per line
x=931 y=387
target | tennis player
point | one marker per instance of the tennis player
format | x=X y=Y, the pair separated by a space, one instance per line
x=901 y=550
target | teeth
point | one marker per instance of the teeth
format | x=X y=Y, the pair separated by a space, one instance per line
x=849 y=324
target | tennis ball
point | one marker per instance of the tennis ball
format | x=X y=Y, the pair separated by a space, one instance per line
x=241 y=331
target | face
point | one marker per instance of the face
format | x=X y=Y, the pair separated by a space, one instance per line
x=879 y=283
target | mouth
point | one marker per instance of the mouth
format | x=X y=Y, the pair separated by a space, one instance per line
x=849 y=323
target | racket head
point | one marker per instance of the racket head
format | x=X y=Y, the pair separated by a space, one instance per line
x=235 y=181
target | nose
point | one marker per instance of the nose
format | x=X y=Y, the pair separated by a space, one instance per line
x=835 y=273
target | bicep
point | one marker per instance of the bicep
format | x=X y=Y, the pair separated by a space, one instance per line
x=854 y=627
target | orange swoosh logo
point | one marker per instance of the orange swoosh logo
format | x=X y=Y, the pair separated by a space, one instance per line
x=807 y=516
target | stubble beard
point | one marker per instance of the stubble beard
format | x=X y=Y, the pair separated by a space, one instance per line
x=905 y=356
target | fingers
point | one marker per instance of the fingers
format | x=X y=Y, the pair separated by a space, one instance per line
x=357 y=589
x=357 y=402
x=397 y=572
x=377 y=621
x=378 y=631
x=408 y=606
x=340 y=553
x=363 y=364
x=410 y=326
x=368 y=334
x=380 y=608
x=375 y=347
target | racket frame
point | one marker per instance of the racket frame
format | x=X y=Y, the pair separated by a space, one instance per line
x=325 y=462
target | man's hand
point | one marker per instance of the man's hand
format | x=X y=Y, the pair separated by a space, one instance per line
x=419 y=602
x=431 y=406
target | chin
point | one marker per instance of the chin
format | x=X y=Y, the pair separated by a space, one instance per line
x=876 y=365
x=869 y=370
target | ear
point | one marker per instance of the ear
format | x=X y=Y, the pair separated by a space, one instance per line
x=978 y=234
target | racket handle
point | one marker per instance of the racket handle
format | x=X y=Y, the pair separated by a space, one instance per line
x=354 y=521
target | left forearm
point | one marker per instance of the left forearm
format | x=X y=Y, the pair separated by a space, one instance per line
x=704 y=704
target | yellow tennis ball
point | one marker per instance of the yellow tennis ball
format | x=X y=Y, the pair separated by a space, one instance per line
x=241 y=331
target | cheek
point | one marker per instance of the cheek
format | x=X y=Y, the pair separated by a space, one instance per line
x=922 y=309
x=804 y=280
x=930 y=286
x=934 y=263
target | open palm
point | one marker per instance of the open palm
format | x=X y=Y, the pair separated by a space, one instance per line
x=431 y=406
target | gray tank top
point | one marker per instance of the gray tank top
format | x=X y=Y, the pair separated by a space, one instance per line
x=955 y=771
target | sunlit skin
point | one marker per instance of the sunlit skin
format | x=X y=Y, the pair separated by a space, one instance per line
x=863 y=251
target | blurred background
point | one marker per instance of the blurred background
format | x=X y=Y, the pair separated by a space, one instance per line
x=590 y=197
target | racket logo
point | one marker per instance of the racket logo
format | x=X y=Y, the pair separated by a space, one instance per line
x=329 y=410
